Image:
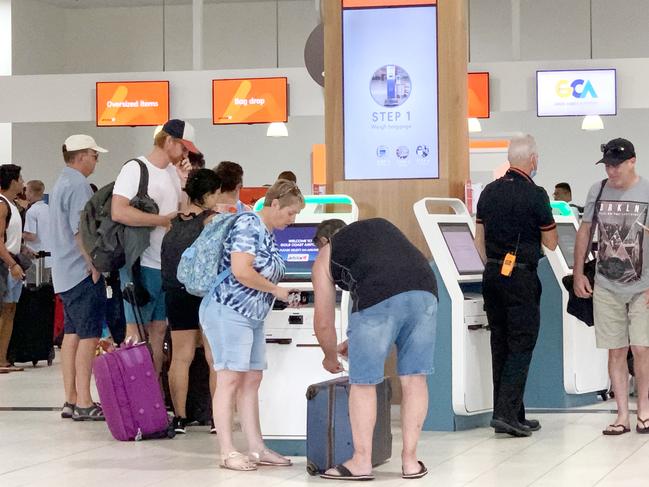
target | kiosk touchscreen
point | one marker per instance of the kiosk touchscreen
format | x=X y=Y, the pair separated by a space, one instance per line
x=292 y=351
x=567 y=369
x=461 y=388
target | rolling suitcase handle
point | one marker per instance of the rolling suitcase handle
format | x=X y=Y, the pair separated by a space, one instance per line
x=129 y=292
x=40 y=266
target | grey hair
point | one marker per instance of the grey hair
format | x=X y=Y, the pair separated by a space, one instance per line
x=521 y=148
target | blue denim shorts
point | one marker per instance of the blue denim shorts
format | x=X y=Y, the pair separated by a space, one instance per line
x=84 y=308
x=407 y=320
x=155 y=309
x=14 y=290
x=238 y=343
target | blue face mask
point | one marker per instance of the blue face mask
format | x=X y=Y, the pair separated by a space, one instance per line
x=533 y=173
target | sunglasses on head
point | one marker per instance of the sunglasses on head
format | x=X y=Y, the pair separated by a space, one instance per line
x=612 y=150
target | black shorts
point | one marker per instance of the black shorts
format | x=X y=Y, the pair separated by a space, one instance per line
x=182 y=309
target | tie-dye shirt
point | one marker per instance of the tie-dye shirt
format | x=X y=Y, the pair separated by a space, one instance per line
x=244 y=237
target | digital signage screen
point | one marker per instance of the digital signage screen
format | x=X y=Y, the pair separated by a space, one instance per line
x=251 y=100
x=460 y=243
x=132 y=103
x=576 y=93
x=297 y=250
x=567 y=235
x=390 y=105
x=478 y=96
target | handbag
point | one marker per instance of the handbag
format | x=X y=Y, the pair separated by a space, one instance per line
x=582 y=308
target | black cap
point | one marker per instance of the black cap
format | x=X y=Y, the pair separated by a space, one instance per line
x=616 y=151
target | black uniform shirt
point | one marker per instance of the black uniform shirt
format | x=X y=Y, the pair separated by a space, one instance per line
x=514 y=209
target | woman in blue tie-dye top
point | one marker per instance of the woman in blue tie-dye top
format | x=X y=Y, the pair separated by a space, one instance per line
x=232 y=318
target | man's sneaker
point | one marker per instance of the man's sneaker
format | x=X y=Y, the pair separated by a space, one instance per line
x=67 y=410
x=180 y=425
x=212 y=427
x=91 y=413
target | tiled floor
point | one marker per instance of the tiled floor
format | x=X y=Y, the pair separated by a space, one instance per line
x=37 y=448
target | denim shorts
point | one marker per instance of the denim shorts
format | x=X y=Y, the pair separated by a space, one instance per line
x=238 y=343
x=84 y=308
x=407 y=320
x=14 y=290
x=154 y=310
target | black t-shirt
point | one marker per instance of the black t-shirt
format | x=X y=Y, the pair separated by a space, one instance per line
x=374 y=261
x=514 y=209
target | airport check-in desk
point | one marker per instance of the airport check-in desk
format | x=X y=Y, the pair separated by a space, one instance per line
x=292 y=351
x=460 y=390
x=567 y=369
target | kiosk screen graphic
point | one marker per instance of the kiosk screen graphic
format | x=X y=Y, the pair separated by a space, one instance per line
x=567 y=236
x=297 y=250
x=390 y=108
x=459 y=241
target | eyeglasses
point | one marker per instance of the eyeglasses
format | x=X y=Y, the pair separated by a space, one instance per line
x=293 y=189
x=94 y=155
x=615 y=150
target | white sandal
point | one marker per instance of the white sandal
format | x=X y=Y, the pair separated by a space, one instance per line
x=265 y=458
x=237 y=461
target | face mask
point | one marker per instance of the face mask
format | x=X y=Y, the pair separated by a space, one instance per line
x=533 y=173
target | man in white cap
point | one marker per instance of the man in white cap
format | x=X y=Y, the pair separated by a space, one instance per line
x=172 y=145
x=80 y=286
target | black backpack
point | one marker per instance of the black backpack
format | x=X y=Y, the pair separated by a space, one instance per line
x=102 y=237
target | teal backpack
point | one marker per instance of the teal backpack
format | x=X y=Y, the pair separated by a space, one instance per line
x=198 y=269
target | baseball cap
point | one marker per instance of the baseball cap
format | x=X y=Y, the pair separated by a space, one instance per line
x=616 y=151
x=182 y=130
x=80 y=142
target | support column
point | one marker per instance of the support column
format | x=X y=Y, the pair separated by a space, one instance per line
x=197 y=32
x=5 y=70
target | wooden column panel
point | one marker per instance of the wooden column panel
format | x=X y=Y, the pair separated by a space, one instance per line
x=393 y=199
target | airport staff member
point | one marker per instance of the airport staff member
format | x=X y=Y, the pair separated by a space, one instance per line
x=513 y=219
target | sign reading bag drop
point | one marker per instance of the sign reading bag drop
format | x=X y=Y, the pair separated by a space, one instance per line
x=251 y=100
x=576 y=93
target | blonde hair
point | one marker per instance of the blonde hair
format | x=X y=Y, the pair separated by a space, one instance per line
x=286 y=192
x=37 y=186
x=160 y=138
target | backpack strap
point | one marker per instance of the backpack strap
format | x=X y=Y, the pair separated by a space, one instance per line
x=226 y=272
x=144 y=178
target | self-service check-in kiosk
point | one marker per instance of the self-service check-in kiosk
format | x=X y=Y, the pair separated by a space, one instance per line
x=292 y=351
x=567 y=368
x=460 y=390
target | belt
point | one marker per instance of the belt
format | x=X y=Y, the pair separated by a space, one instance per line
x=521 y=265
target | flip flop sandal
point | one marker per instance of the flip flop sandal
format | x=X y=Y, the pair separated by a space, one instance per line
x=345 y=474
x=264 y=458
x=237 y=461
x=644 y=429
x=616 y=432
x=422 y=471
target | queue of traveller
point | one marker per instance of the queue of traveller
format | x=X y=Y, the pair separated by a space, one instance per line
x=394 y=301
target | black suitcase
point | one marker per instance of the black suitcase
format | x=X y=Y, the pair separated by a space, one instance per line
x=329 y=433
x=32 y=336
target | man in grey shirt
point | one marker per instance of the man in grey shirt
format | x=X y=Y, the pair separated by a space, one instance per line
x=621 y=290
x=75 y=279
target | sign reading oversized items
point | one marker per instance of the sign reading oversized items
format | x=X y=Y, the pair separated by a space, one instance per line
x=132 y=103
x=478 y=96
x=576 y=93
x=390 y=89
x=252 y=100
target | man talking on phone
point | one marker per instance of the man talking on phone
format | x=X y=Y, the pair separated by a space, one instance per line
x=172 y=145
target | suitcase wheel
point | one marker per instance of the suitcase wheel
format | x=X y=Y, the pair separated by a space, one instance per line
x=50 y=358
x=34 y=363
x=312 y=469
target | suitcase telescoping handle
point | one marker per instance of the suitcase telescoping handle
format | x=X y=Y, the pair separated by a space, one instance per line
x=129 y=292
x=40 y=266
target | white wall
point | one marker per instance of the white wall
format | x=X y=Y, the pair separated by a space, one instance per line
x=5 y=70
x=236 y=35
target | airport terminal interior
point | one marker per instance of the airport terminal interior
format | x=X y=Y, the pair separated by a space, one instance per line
x=381 y=139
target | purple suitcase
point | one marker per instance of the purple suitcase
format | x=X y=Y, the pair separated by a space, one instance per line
x=130 y=394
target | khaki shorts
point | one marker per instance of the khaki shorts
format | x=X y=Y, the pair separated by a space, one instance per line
x=620 y=319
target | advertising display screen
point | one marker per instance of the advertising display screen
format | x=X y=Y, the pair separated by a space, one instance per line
x=254 y=100
x=576 y=93
x=478 y=96
x=567 y=236
x=390 y=106
x=297 y=250
x=460 y=243
x=132 y=103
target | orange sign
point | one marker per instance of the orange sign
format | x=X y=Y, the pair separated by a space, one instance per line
x=250 y=195
x=256 y=100
x=132 y=103
x=478 y=95
x=386 y=3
